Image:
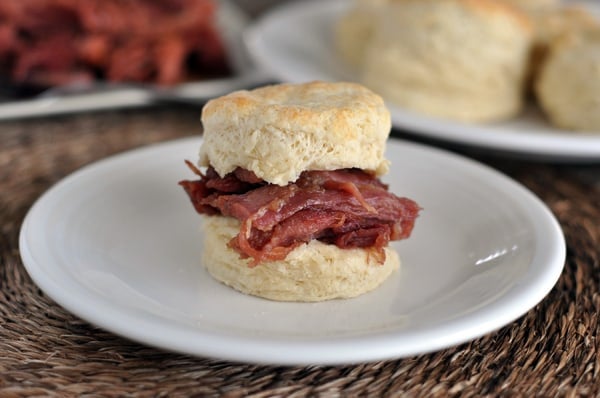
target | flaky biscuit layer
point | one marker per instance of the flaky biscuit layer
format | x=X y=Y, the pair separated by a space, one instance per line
x=282 y=130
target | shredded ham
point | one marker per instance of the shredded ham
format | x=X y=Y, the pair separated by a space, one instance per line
x=58 y=42
x=348 y=208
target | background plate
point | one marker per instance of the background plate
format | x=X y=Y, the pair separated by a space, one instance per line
x=294 y=43
x=231 y=21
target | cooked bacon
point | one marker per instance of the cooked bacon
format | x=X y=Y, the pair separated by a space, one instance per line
x=348 y=208
x=43 y=42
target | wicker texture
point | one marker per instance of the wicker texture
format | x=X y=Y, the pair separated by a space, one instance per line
x=553 y=350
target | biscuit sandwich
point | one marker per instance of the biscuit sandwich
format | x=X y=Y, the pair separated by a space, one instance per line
x=290 y=194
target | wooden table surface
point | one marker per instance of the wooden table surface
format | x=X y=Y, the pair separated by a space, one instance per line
x=552 y=350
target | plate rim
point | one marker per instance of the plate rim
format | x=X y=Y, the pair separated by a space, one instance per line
x=307 y=351
x=560 y=145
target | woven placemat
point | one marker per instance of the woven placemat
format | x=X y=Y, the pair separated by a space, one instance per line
x=553 y=350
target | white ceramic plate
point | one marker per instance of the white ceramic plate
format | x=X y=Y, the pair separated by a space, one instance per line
x=294 y=43
x=118 y=244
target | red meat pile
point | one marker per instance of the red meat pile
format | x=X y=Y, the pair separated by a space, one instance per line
x=348 y=208
x=57 y=42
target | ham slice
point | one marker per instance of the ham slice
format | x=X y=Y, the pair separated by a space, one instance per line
x=348 y=208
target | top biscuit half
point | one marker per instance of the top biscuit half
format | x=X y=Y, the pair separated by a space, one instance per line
x=279 y=131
